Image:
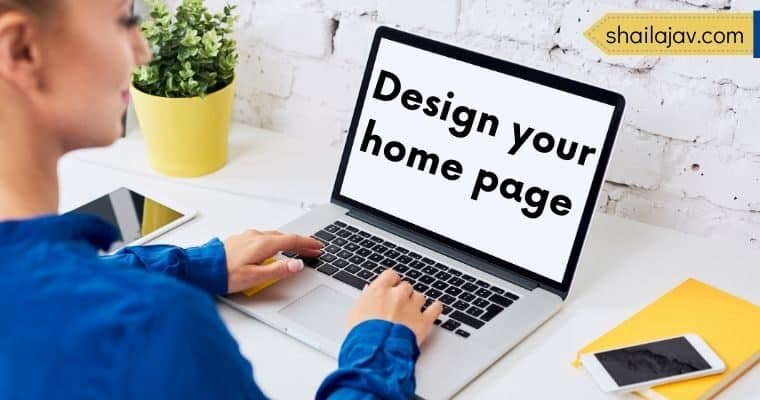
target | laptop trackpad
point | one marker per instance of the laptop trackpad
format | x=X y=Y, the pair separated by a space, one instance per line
x=322 y=310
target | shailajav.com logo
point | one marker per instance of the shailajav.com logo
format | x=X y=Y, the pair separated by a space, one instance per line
x=677 y=33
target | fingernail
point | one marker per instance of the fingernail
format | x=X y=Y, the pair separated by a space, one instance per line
x=294 y=265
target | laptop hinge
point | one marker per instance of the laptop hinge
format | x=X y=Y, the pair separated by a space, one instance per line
x=439 y=247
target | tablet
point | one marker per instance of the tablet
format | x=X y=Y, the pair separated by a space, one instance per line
x=138 y=219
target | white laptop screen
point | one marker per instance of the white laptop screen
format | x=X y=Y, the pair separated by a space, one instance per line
x=497 y=163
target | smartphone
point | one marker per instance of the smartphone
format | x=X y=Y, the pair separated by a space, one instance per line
x=138 y=219
x=643 y=365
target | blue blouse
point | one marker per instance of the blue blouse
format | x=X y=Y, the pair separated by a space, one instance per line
x=142 y=324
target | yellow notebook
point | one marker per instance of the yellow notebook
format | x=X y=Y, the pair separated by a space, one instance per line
x=730 y=325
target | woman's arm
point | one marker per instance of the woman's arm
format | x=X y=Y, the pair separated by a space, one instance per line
x=223 y=267
x=204 y=266
x=376 y=360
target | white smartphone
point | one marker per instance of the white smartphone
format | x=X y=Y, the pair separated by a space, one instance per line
x=139 y=219
x=644 y=365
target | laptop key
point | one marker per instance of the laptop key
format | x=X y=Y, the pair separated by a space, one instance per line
x=447 y=299
x=447 y=310
x=380 y=248
x=366 y=275
x=470 y=287
x=430 y=270
x=469 y=278
x=369 y=265
x=379 y=270
x=344 y=233
x=462 y=333
x=405 y=259
x=426 y=279
x=427 y=261
x=356 y=239
x=440 y=285
x=481 y=303
x=392 y=254
x=414 y=255
x=312 y=262
x=474 y=311
x=339 y=242
x=413 y=274
x=352 y=247
x=356 y=260
x=330 y=249
x=466 y=319
x=497 y=290
x=454 y=272
x=340 y=224
x=401 y=268
x=352 y=229
x=377 y=239
x=364 y=252
x=364 y=234
x=345 y=254
x=367 y=243
x=484 y=293
x=461 y=305
x=491 y=311
x=340 y=263
x=388 y=263
x=328 y=257
x=500 y=300
x=401 y=250
x=345 y=277
x=327 y=269
x=443 y=275
x=453 y=290
x=442 y=267
x=389 y=245
x=352 y=269
x=456 y=281
x=467 y=296
x=375 y=257
x=420 y=287
x=450 y=325
x=482 y=284
x=433 y=293
x=417 y=264
x=332 y=228
x=511 y=296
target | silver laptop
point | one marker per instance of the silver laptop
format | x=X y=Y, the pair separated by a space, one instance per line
x=472 y=177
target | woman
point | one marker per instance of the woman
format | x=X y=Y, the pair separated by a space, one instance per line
x=141 y=323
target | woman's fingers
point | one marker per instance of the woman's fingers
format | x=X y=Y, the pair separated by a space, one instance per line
x=272 y=244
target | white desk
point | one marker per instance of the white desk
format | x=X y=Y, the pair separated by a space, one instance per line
x=271 y=178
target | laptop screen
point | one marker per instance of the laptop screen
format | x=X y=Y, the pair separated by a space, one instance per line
x=488 y=160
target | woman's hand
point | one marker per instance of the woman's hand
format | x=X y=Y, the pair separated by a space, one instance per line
x=386 y=298
x=247 y=251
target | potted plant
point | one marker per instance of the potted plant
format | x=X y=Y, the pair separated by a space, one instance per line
x=183 y=98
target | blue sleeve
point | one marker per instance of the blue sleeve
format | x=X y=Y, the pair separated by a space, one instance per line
x=186 y=352
x=376 y=360
x=204 y=267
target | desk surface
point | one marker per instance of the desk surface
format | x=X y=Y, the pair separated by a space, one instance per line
x=272 y=178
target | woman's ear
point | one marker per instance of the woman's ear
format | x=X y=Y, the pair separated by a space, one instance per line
x=20 y=55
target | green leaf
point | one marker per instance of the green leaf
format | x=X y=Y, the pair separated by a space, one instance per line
x=194 y=52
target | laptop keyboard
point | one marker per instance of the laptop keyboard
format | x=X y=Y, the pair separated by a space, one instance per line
x=356 y=258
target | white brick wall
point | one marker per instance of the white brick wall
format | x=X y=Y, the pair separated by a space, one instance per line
x=688 y=155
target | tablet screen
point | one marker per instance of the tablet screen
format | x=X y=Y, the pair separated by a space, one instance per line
x=133 y=214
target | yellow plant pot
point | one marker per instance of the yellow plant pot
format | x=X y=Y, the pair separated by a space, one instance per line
x=186 y=136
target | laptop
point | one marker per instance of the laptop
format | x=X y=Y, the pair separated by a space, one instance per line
x=476 y=180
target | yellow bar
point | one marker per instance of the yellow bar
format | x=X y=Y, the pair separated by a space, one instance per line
x=673 y=34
